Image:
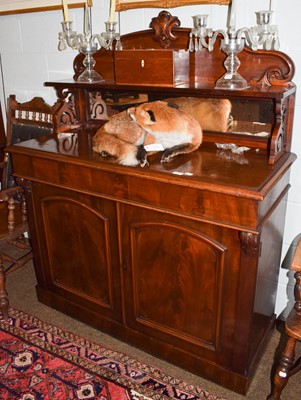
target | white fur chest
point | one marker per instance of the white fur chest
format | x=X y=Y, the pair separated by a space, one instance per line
x=172 y=138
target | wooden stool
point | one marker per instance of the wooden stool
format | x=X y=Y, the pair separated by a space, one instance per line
x=287 y=366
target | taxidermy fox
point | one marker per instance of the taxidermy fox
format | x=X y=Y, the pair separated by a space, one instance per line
x=130 y=134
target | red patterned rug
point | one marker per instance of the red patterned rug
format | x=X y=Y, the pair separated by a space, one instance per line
x=39 y=361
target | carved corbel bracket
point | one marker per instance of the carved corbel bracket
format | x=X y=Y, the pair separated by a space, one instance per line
x=64 y=117
x=98 y=106
x=250 y=242
x=278 y=135
x=63 y=93
x=67 y=116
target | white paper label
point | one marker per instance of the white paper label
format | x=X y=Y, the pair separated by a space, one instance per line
x=154 y=147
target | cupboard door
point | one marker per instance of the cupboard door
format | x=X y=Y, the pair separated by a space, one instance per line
x=174 y=277
x=78 y=248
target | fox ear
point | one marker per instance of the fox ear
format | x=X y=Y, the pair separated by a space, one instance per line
x=130 y=112
x=151 y=115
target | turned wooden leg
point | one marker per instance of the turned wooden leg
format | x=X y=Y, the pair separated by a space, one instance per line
x=3 y=293
x=283 y=369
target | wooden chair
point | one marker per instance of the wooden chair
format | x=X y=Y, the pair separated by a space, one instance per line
x=13 y=226
x=33 y=119
x=2 y=138
x=287 y=365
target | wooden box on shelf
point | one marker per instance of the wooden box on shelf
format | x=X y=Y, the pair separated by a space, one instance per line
x=152 y=67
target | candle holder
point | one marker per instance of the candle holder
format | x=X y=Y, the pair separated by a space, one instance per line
x=199 y=33
x=263 y=35
x=110 y=35
x=88 y=44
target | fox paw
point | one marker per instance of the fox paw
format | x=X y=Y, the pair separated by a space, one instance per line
x=142 y=157
x=167 y=155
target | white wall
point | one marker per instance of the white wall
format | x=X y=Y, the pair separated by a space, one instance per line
x=29 y=57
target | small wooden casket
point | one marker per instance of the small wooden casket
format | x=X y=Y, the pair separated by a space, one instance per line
x=152 y=67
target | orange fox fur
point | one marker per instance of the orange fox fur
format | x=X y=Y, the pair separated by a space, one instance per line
x=212 y=114
x=125 y=134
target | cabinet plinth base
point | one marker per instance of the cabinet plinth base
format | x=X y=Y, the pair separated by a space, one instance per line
x=215 y=373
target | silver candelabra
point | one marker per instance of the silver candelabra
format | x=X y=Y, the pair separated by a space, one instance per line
x=88 y=44
x=263 y=35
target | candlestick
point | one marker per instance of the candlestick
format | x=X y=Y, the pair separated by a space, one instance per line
x=112 y=11
x=65 y=9
x=272 y=5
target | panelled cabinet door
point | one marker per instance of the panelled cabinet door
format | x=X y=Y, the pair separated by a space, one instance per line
x=78 y=249
x=175 y=280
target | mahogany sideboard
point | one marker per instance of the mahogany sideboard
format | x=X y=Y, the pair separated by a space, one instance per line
x=179 y=259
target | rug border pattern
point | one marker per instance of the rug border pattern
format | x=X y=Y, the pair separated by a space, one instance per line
x=12 y=326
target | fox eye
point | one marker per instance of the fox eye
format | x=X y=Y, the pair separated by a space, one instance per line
x=151 y=115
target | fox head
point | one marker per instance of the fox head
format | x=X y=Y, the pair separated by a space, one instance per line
x=147 y=114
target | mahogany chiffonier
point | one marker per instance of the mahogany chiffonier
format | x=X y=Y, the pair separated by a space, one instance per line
x=178 y=259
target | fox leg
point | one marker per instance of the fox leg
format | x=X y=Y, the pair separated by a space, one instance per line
x=142 y=156
x=171 y=152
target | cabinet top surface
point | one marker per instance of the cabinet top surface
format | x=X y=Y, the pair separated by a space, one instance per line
x=207 y=168
x=189 y=88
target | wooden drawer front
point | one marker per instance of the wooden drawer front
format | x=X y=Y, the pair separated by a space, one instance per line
x=212 y=206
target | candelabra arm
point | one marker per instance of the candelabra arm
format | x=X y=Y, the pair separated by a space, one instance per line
x=253 y=42
x=100 y=40
x=79 y=41
x=241 y=32
x=204 y=43
x=72 y=42
x=212 y=40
